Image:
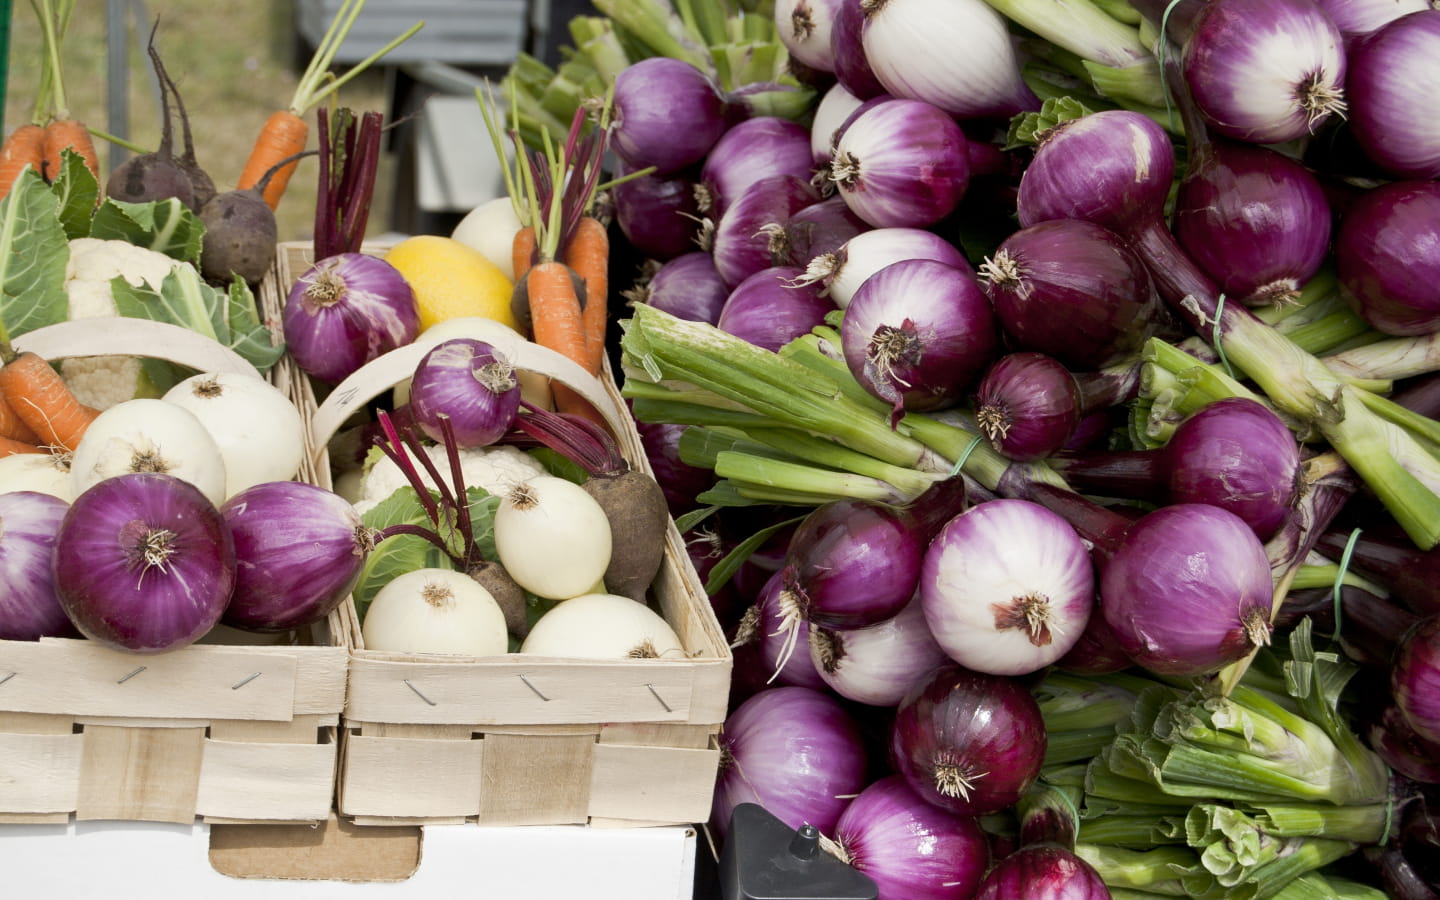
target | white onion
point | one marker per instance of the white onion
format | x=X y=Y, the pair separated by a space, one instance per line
x=804 y=27
x=258 y=429
x=435 y=611
x=603 y=626
x=45 y=473
x=835 y=106
x=490 y=228
x=878 y=664
x=552 y=537
x=149 y=435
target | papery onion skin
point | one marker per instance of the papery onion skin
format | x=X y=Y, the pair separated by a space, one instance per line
x=910 y=848
x=1255 y=220
x=766 y=310
x=29 y=607
x=1392 y=75
x=1358 y=17
x=667 y=114
x=659 y=215
x=917 y=334
x=744 y=233
x=1073 y=290
x=1028 y=405
x=1007 y=587
x=752 y=150
x=345 y=311
x=299 y=550
x=834 y=109
x=877 y=665
x=470 y=383
x=108 y=590
x=1042 y=872
x=968 y=742
x=764 y=626
x=958 y=55
x=901 y=163
x=1236 y=453
x=688 y=287
x=1387 y=257
x=795 y=751
x=1188 y=591
x=843 y=271
x=1415 y=678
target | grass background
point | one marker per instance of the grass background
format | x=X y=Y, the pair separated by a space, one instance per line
x=233 y=62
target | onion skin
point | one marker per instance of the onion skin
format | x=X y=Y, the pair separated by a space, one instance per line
x=767 y=311
x=688 y=287
x=299 y=550
x=968 y=742
x=472 y=384
x=852 y=69
x=901 y=163
x=794 y=751
x=29 y=607
x=667 y=114
x=345 y=311
x=1383 y=104
x=843 y=271
x=99 y=563
x=1387 y=256
x=1415 y=678
x=743 y=235
x=1042 y=872
x=1028 y=405
x=1188 y=590
x=910 y=848
x=877 y=665
x=755 y=149
x=658 y=214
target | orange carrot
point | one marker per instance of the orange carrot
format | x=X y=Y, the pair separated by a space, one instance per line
x=522 y=251
x=72 y=133
x=23 y=147
x=284 y=134
x=557 y=323
x=14 y=427
x=10 y=447
x=46 y=403
x=588 y=255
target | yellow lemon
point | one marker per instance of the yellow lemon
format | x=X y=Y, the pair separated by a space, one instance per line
x=450 y=280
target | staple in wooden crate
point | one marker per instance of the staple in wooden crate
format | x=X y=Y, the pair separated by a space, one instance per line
x=629 y=742
x=210 y=731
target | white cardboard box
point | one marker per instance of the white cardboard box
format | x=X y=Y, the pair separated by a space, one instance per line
x=116 y=860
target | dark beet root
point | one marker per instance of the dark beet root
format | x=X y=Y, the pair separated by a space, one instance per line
x=511 y=597
x=241 y=231
x=201 y=184
x=639 y=517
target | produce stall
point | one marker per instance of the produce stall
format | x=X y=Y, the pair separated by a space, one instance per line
x=856 y=449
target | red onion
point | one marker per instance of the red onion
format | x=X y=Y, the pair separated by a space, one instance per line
x=1357 y=17
x=1407 y=572
x=1097 y=652
x=1042 y=872
x=878 y=664
x=908 y=847
x=745 y=235
x=794 y=751
x=852 y=69
x=752 y=150
x=1391 y=737
x=1027 y=405
x=658 y=214
x=804 y=26
x=1265 y=71
x=834 y=109
x=1392 y=75
x=679 y=480
x=1415 y=678
x=470 y=383
x=299 y=550
x=1188 y=590
x=1073 y=290
x=667 y=114
x=917 y=333
x=769 y=310
x=1387 y=257
x=1007 y=587
x=820 y=229
x=345 y=311
x=958 y=55
x=843 y=271
x=1256 y=221
x=687 y=287
x=968 y=742
x=901 y=163
x=764 y=626
x=144 y=562
x=29 y=607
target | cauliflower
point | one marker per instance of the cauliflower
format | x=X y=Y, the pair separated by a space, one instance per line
x=495 y=468
x=103 y=381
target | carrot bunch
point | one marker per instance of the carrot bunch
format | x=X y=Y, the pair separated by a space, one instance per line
x=38 y=411
x=286 y=131
x=51 y=130
x=561 y=255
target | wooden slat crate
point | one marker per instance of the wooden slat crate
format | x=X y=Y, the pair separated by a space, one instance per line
x=521 y=739
x=225 y=733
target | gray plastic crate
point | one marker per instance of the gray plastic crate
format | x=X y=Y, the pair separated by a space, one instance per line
x=463 y=32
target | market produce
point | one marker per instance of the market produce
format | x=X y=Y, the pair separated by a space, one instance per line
x=29 y=607
x=150 y=435
x=552 y=537
x=435 y=611
x=241 y=231
x=603 y=626
x=259 y=432
x=471 y=385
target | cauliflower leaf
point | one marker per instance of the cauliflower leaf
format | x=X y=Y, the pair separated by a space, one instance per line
x=165 y=226
x=34 y=251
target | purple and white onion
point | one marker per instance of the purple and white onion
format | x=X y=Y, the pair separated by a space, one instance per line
x=770 y=309
x=878 y=664
x=29 y=607
x=901 y=163
x=345 y=311
x=469 y=383
x=667 y=114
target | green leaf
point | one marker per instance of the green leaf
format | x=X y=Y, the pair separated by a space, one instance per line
x=394 y=556
x=1027 y=128
x=33 y=254
x=77 y=191
x=226 y=316
x=248 y=335
x=166 y=226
